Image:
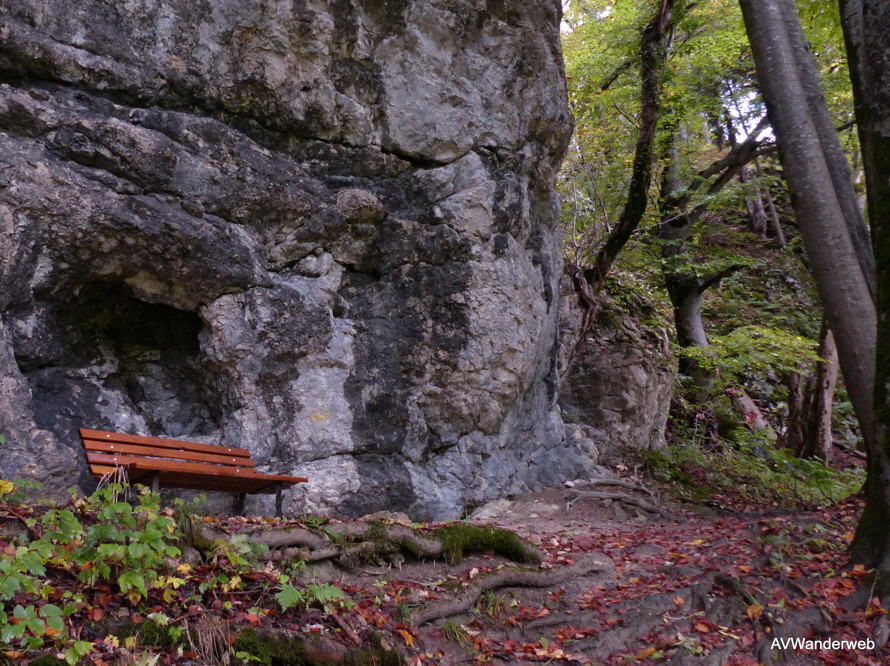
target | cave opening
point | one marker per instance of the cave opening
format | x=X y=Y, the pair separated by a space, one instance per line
x=127 y=365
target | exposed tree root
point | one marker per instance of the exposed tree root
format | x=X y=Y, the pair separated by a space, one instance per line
x=627 y=499
x=291 y=554
x=279 y=646
x=289 y=536
x=350 y=544
x=621 y=483
x=509 y=578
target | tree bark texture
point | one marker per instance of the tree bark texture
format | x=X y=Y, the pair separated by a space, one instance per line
x=835 y=159
x=654 y=49
x=866 y=25
x=810 y=404
x=834 y=262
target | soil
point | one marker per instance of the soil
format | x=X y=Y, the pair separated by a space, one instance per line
x=710 y=588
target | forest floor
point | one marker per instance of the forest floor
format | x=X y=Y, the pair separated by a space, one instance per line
x=711 y=587
x=682 y=584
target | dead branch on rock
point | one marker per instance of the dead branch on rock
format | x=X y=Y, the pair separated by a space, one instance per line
x=509 y=578
x=627 y=499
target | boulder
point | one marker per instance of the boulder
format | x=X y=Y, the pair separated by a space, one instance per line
x=323 y=230
x=616 y=389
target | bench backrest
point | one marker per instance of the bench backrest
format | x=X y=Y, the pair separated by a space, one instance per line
x=111 y=448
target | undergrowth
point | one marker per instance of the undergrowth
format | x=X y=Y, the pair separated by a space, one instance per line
x=113 y=562
x=755 y=475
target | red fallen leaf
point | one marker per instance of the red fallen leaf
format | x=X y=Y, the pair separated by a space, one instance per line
x=253 y=619
x=875 y=608
x=97 y=614
x=679 y=601
x=702 y=627
x=135 y=618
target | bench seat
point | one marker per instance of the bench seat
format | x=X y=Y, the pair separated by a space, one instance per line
x=173 y=463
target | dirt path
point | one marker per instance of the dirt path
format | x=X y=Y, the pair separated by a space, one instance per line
x=705 y=589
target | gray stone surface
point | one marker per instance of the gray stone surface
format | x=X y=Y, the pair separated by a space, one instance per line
x=617 y=390
x=321 y=229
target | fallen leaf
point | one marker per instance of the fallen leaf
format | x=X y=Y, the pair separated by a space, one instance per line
x=406 y=636
x=755 y=611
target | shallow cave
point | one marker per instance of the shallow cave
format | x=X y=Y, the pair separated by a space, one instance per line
x=127 y=365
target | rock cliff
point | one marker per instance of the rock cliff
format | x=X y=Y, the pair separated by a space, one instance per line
x=321 y=229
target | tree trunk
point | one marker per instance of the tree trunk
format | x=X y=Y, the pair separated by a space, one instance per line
x=833 y=259
x=753 y=206
x=654 y=49
x=817 y=440
x=867 y=34
x=685 y=294
x=773 y=214
x=684 y=289
x=794 y=430
x=835 y=159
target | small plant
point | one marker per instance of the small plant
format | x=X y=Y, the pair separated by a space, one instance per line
x=329 y=597
x=455 y=632
x=314 y=522
x=117 y=542
x=491 y=603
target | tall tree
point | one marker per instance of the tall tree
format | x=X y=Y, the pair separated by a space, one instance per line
x=843 y=283
x=866 y=25
x=686 y=279
x=654 y=49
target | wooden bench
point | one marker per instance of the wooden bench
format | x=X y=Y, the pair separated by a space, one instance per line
x=172 y=463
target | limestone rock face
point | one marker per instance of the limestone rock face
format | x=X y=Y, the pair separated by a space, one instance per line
x=324 y=230
x=617 y=390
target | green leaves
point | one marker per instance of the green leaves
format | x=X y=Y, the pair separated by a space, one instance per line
x=76 y=652
x=288 y=597
x=755 y=350
x=63 y=526
x=114 y=541
x=130 y=580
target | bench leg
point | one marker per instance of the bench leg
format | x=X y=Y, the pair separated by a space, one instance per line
x=152 y=481
x=278 y=501
x=238 y=504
